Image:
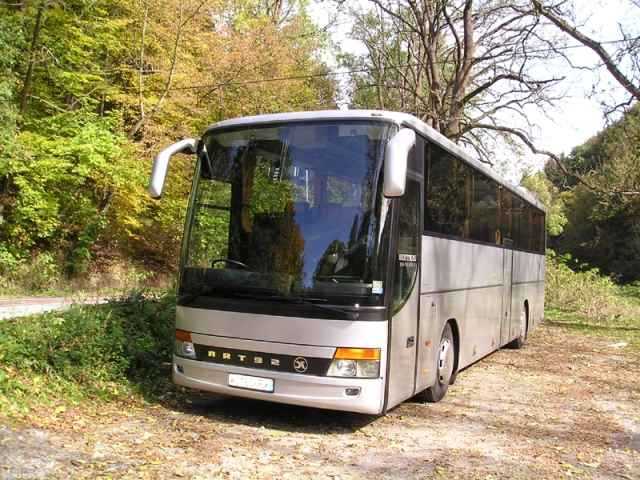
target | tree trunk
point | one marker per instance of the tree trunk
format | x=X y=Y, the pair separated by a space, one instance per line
x=26 y=84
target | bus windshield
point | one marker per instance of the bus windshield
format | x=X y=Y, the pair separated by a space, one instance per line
x=292 y=212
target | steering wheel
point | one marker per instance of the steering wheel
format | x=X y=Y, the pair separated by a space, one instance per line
x=230 y=262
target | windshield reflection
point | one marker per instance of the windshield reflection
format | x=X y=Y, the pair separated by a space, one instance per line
x=288 y=210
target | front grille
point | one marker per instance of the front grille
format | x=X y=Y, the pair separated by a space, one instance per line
x=264 y=361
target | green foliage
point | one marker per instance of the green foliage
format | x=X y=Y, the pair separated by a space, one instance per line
x=370 y=88
x=11 y=40
x=64 y=183
x=73 y=175
x=39 y=273
x=551 y=198
x=104 y=350
x=604 y=229
x=577 y=289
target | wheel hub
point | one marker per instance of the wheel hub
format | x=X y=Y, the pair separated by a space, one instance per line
x=445 y=361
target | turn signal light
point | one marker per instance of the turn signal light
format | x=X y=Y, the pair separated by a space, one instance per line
x=357 y=354
x=355 y=363
x=184 y=346
x=183 y=335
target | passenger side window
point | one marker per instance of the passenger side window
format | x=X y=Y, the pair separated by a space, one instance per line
x=484 y=209
x=506 y=214
x=462 y=201
x=445 y=210
x=408 y=247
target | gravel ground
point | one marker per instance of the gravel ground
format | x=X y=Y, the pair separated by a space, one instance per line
x=566 y=406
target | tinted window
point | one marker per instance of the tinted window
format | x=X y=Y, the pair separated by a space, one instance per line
x=445 y=204
x=526 y=237
x=463 y=202
x=484 y=209
x=407 y=258
x=538 y=230
x=517 y=226
x=506 y=214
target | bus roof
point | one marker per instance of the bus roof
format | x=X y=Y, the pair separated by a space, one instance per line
x=401 y=119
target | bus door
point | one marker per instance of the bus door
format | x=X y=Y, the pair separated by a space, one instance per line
x=507 y=277
x=405 y=293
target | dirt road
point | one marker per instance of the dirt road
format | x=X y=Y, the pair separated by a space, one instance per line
x=567 y=406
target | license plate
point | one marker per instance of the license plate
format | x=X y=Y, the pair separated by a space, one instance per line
x=252 y=383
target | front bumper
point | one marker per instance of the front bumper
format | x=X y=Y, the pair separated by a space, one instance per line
x=291 y=388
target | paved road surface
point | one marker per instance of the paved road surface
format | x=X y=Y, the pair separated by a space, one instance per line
x=20 y=307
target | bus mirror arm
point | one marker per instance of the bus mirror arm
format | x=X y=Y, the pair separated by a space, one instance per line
x=396 y=159
x=161 y=163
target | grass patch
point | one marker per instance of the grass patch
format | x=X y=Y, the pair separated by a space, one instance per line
x=98 y=352
x=628 y=332
x=588 y=302
x=589 y=294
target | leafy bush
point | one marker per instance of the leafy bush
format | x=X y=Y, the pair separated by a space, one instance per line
x=586 y=292
x=94 y=350
x=41 y=273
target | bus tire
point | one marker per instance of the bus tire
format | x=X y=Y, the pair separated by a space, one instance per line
x=521 y=339
x=444 y=364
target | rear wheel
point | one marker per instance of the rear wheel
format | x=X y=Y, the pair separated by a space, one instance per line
x=445 y=361
x=522 y=332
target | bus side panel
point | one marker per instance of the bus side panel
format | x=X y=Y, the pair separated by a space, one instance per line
x=538 y=314
x=430 y=327
x=528 y=285
x=403 y=350
x=464 y=282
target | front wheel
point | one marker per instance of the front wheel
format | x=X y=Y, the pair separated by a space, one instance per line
x=445 y=361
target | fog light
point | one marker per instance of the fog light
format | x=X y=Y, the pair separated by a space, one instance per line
x=352 y=392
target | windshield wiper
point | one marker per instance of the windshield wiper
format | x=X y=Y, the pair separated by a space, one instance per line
x=300 y=301
x=339 y=278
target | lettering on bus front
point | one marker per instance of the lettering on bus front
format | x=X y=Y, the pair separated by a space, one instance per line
x=262 y=360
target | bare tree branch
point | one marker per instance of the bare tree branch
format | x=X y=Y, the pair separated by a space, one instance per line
x=524 y=138
x=596 y=47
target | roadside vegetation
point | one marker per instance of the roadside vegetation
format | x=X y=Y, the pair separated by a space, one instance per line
x=89 y=353
x=582 y=298
x=121 y=350
x=41 y=275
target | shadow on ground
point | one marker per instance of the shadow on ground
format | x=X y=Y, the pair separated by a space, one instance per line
x=257 y=413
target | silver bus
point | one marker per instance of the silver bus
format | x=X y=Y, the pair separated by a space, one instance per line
x=347 y=260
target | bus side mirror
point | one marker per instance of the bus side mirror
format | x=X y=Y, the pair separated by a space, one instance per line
x=161 y=163
x=396 y=158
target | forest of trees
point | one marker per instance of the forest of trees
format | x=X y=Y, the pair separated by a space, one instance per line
x=90 y=90
x=598 y=230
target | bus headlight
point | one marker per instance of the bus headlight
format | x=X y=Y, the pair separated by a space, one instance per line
x=355 y=363
x=184 y=346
